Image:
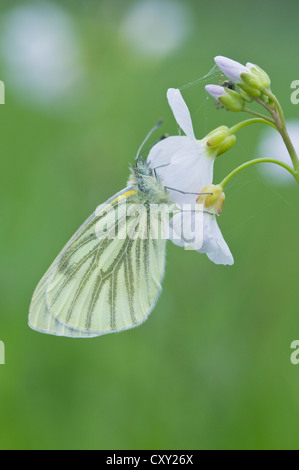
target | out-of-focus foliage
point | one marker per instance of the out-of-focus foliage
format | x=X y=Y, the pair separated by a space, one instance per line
x=210 y=369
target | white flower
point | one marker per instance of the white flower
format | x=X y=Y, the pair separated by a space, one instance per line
x=183 y=162
x=186 y=164
x=198 y=229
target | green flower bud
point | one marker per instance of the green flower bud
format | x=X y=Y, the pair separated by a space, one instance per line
x=253 y=81
x=245 y=95
x=263 y=76
x=250 y=91
x=251 y=78
x=226 y=145
x=232 y=100
x=217 y=138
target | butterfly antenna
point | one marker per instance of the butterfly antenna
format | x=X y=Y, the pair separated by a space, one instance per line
x=147 y=137
x=164 y=136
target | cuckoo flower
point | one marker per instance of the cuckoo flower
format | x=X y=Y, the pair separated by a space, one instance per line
x=184 y=163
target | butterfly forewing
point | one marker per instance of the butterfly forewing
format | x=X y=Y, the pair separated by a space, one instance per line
x=108 y=276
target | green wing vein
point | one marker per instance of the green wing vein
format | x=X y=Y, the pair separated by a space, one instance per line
x=101 y=283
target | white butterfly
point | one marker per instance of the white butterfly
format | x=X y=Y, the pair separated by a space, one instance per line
x=107 y=279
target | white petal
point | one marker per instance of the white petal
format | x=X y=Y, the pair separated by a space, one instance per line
x=200 y=231
x=214 y=244
x=231 y=68
x=180 y=111
x=186 y=228
x=163 y=151
x=175 y=233
x=189 y=171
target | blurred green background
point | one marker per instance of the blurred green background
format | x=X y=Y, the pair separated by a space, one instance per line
x=210 y=369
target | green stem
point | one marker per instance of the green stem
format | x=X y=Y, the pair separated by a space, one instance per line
x=254 y=113
x=254 y=162
x=282 y=129
x=273 y=114
x=277 y=104
x=290 y=147
x=247 y=122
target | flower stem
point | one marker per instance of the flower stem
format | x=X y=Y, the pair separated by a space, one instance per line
x=254 y=162
x=290 y=147
x=247 y=122
x=282 y=129
x=262 y=116
x=277 y=104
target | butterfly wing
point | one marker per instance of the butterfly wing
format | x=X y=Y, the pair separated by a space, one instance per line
x=106 y=279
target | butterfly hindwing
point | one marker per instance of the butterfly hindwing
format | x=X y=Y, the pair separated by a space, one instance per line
x=106 y=278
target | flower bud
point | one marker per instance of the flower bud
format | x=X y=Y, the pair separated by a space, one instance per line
x=217 y=137
x=226 y=144
x=263 y=76
x=213 y=198
x=245 y=95
x=252 y=81
x=231 y=68
x=251 y=78
x=251 y=91
x=230 y=99
x=219 y=141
